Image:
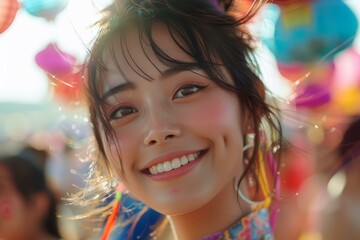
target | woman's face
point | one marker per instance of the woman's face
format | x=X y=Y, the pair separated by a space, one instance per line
x=179 y=135
x=15 y=215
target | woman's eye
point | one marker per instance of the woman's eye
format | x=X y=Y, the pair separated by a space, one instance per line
x=122 y=112
x=187 y=90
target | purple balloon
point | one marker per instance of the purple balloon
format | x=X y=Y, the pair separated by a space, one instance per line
x=312 y=96
x=54 y=61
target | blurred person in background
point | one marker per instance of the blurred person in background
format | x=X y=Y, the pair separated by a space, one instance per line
x=341 y=217
x=27 y=205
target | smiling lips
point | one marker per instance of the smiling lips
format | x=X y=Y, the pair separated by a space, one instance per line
x=173 y=164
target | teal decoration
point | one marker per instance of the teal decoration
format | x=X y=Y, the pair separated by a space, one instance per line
x=47 y=9
x=311 y=31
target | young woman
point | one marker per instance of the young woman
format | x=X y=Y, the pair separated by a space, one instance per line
x=27 y=205
x=181 y=117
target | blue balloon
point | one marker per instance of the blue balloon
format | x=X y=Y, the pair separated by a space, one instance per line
x=313 y=31
x=44 y=8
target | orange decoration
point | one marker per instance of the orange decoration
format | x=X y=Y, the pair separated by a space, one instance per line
x=68 y=88
x=8 y=10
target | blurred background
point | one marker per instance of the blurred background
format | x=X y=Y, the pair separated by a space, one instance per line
x=309 y=56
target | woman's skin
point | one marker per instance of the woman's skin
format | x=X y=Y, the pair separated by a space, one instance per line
x=20 y=219
x=12 y=207
x=177 y=113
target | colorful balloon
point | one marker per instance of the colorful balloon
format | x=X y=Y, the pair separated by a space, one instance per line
x=312 y=96
x=348 y=100
x=347 y=70
x=293 y=71
x=47 y=9
x=346 y=87
x=308 y=32
x=68 y=89
x=8 y=10
x=66 y=79
x=296 y=170
x=54 y=61
x=300 y=72
x=313 y=90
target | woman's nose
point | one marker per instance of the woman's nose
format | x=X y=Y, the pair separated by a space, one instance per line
x=160 y=129
x=160 y=136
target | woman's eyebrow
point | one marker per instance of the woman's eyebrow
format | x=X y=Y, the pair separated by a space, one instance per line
x=116 y=89
x=165 y=74
x=178 y=69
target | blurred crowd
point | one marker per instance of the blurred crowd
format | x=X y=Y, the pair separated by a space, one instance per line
x=37 y=177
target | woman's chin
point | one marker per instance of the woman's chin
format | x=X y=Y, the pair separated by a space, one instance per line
x=176 y=208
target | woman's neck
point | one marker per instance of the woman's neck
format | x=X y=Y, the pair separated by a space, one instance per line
x=216 y=215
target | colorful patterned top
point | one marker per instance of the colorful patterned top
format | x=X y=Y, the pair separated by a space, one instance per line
x=254 y=226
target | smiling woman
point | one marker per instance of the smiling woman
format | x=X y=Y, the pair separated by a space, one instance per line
x=180 y=116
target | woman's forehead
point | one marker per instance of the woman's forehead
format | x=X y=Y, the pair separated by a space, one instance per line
x=132 y=56
x=135 y=45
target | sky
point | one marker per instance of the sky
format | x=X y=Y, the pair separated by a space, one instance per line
x=21 y=80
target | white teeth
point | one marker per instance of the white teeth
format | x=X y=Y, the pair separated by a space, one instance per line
x=160 y=168
x=184 y=160
x=173 y=164
x=167 y=166
x=191 y=157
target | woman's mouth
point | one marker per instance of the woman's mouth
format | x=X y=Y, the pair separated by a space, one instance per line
x=173 y=164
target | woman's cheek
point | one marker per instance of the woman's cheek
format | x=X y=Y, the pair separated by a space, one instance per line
x=119 y=149
x=212 y=113
x=6 y=209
